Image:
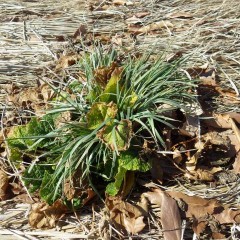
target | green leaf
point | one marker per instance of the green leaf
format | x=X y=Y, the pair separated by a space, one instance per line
x=127 y=162
x=114 y=187
x=48 y=188
x=100 y=113
x=33 y=179
x=117 y=136
x=112 y=88
x=133 y=98
x=130 y=162
x=23 y=137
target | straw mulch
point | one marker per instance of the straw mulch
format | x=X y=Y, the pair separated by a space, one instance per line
x=34 y=33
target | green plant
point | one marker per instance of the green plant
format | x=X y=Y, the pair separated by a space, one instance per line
x=119 y=103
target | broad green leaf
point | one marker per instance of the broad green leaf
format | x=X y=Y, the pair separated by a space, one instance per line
x=132 y=163
x=48 y=188
x=114 y=187
x=23 y=137
x=99 y=113
x=33 y=179
x=117 y=136
x=111 y=90
x=16 y=156
x=127 y=162
x=15 y=137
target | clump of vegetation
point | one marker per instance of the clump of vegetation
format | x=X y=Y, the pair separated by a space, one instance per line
x=95 y=132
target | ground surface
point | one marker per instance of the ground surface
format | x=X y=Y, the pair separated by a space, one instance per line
x=34 y=33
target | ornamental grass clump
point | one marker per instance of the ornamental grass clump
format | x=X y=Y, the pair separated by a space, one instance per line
x=118 y=104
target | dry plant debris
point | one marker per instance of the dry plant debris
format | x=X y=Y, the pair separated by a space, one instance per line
x=202 y=154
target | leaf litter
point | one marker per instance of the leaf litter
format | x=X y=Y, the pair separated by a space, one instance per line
x=199 y=208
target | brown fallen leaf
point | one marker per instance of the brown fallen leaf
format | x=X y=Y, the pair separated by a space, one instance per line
x=133 y=20
x=179 y=15
x=25 y=97
x=122 y=2
x=81 y=31
x=236 y=164
x=118 y=40
x=228 y=216
x=236 y=130
x=73 y=189
x=156 y=169
x=152 y=27
x=170 y=215
x=190 y=127
x=203 y=174
x=200 y=208
x=199 y=226
x=46 y=92
x=103 y=74
x=67 y=61
x=125 y=216
x=142 y=14
x=44 y=216
x=218 y=235
x=133 y=225
x=197 y=206
x=4 y=183
x=206 y=75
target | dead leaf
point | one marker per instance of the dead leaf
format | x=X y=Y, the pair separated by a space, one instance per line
x=133 y=20
x=133 y=225
x=4 y=183
x=190 y=127
x=199 y=226
x=67 y=61
x=123 y=2
x=177 y=156
x=81 y=31
x=47 y=92
x=152 y=27
x=125 y=216
x=206 y=75
x=191 y=164
x=156 y=169
x=170 y=216
x=219 y=121
x=236 y=164
x=228 y=216
x=204 y=174
x=25 y=98
x=236 y=130
x=63 y=118
x=180 y=15
x=44 y=216
x=197 y=207
x=174 y=56
x=118 y=40
x=200 y=208
x=103 y=74
x=142 y=14
x=76 y=187
x=218 y=235
x=16 y=188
